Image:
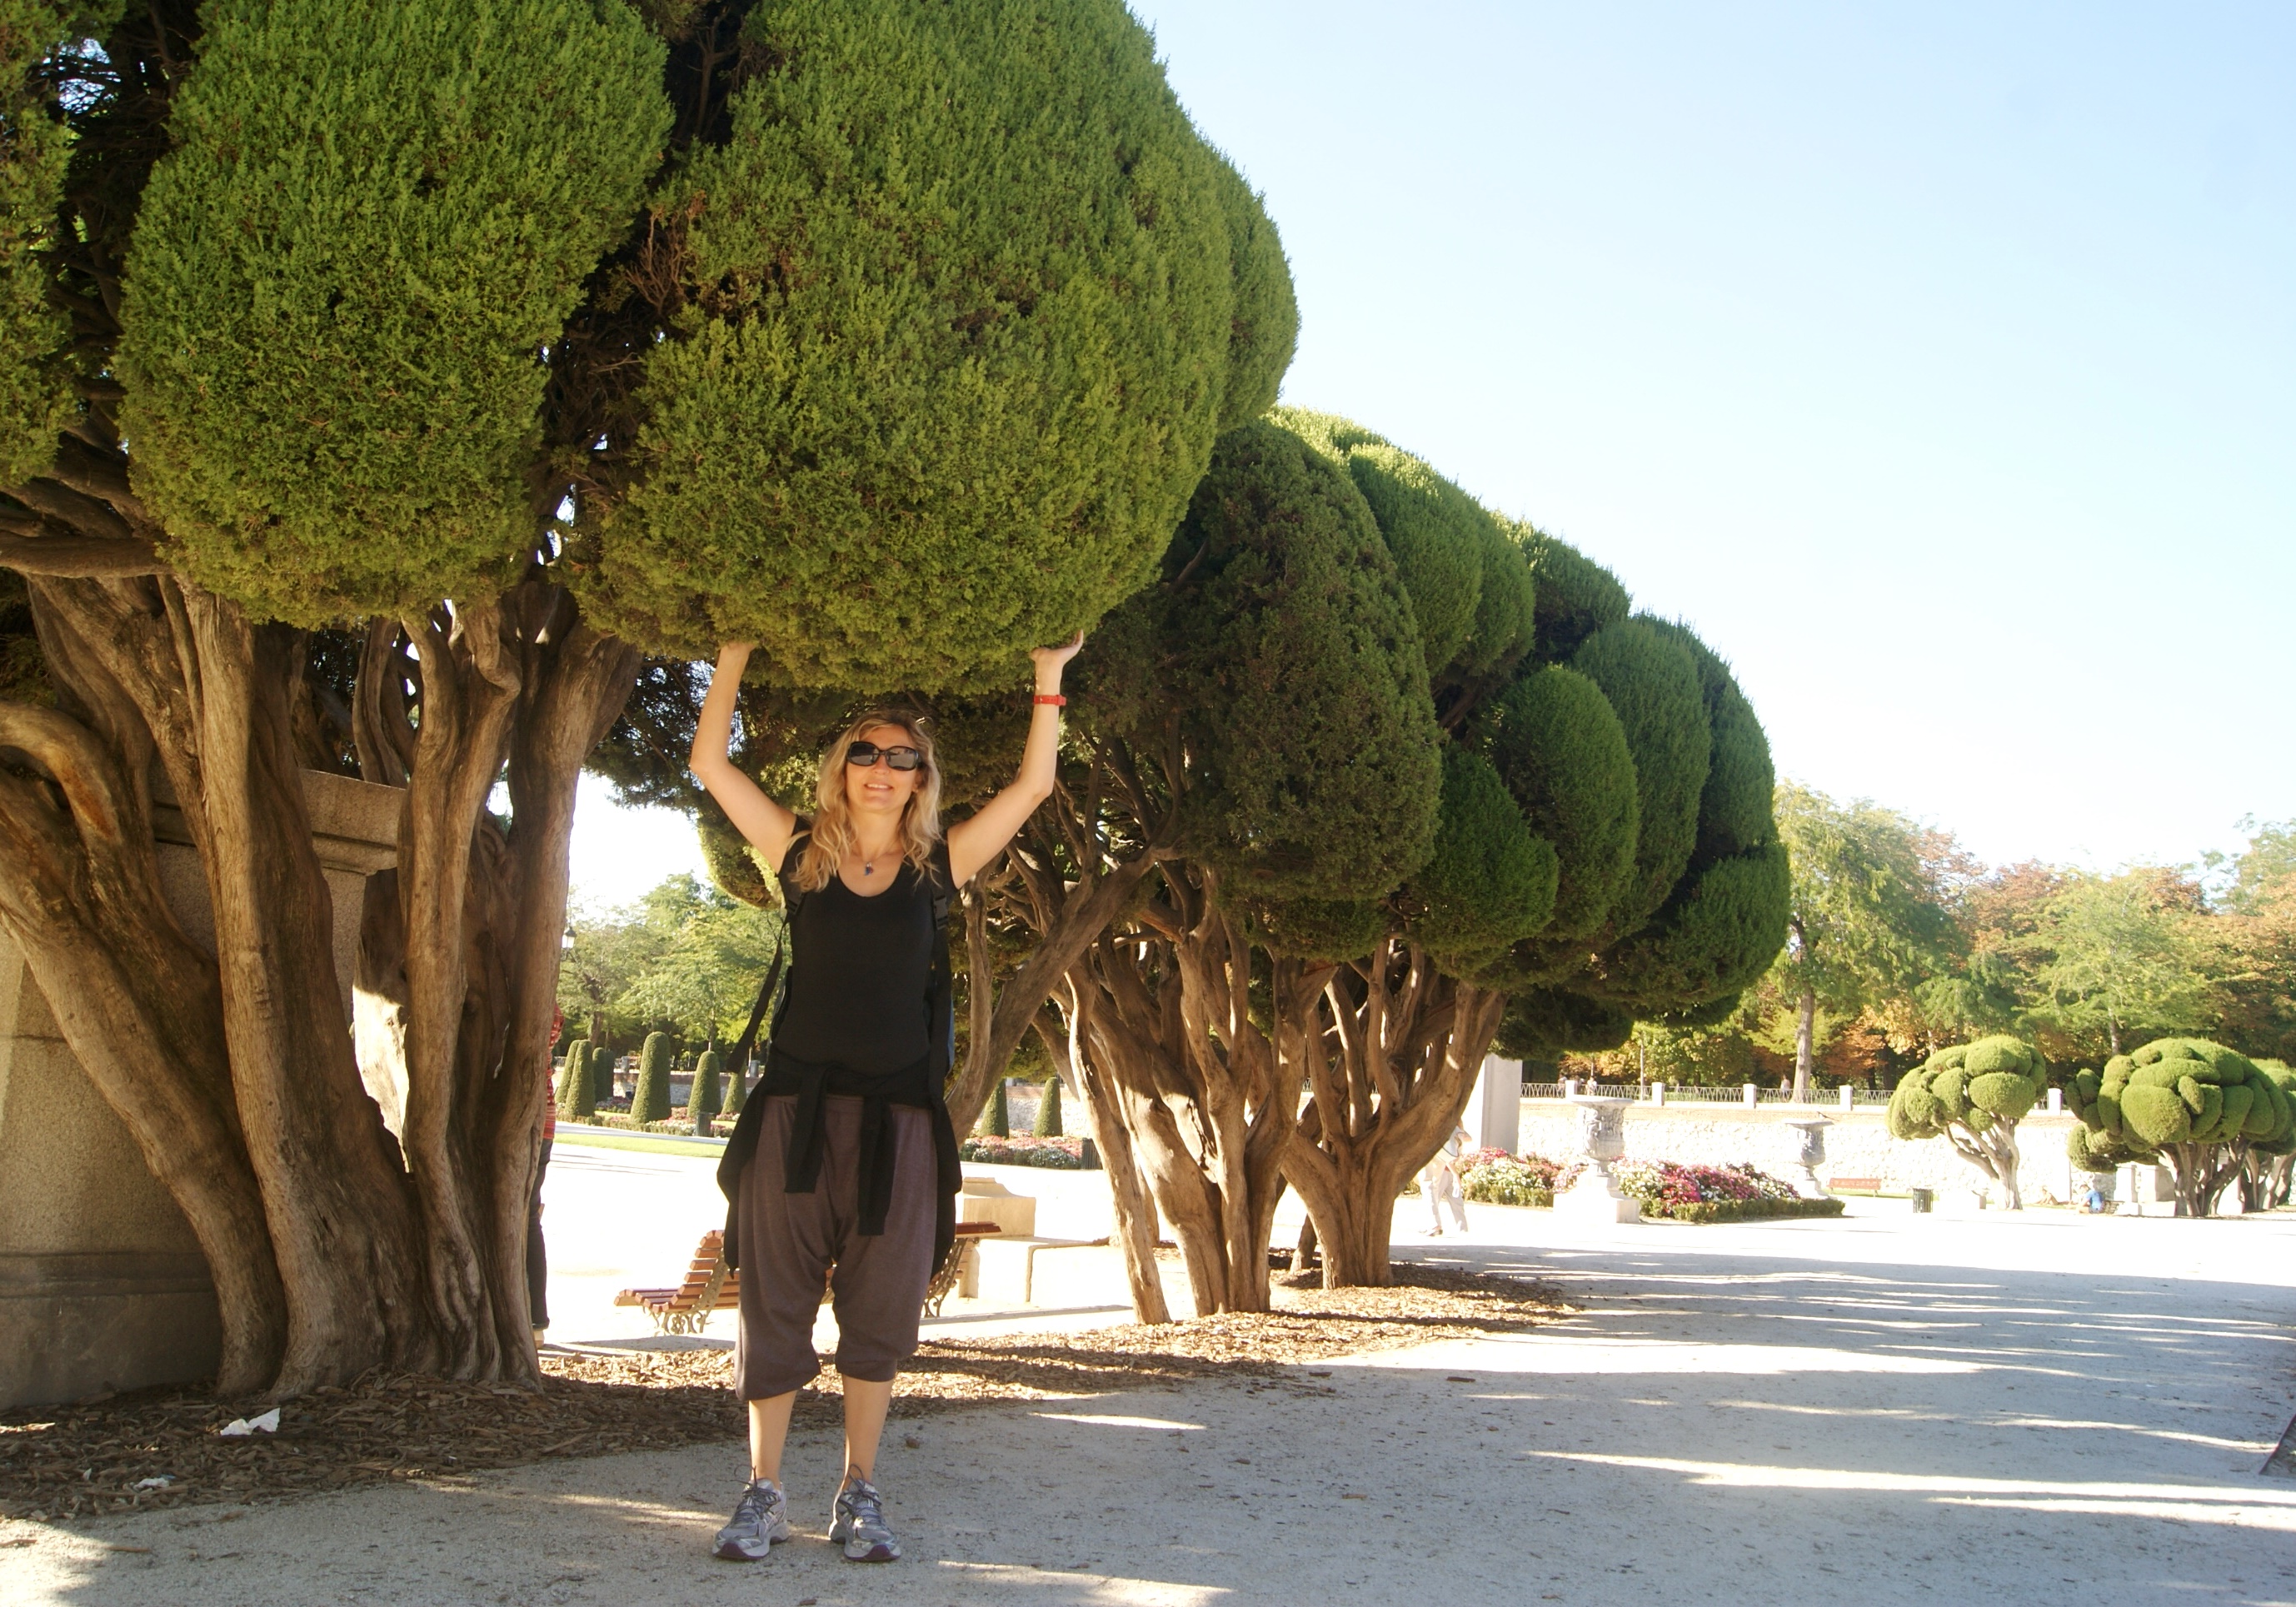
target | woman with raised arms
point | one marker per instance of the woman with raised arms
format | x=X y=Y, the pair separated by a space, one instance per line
x=843 y=1166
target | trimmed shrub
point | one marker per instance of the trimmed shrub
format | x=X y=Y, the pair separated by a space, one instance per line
x=574 y=1066
x=1048 y=1123
x=736 y=1092
x=1574 y=597
x=601 y=1075
x=1558 y=746
x=1974 y=1085
x=1653 y=687
x=369 y=221
x=996 y=1121
x=649 y=1100
x=952 y=309
x=1282 y=612
x=701 y=1103
x=37 y=399
x=1489 y=881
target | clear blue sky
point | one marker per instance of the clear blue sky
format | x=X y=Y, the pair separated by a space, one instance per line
x=1937 y=364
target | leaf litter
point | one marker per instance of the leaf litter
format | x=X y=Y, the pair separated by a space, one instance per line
x=164 y=1448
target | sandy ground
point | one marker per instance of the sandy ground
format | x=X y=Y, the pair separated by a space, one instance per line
x=1884 y=1409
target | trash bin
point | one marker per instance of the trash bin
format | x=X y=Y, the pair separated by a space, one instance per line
x=1923 y=1200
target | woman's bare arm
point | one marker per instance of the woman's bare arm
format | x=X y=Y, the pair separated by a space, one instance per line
x=764 y=823
x=974 y=843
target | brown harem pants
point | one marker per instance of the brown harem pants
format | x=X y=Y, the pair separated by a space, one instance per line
x=791 y=1243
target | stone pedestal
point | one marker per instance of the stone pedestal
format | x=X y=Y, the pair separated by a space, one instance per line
x=1596 y=1196
x=1494 y=1114
x=102 y=1285
x=1804 y=1174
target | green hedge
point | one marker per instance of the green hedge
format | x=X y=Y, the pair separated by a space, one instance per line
x=1745 y=1210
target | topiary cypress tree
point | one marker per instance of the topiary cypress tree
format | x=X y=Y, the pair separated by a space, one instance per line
x=736 y=1092
x=1048 y=1123
x=2192 y=1104
x=1652 y=686
x=1489 y=882
x=573 y=1067
x=701 y=1103
x=37 y=399
x=1558 y=746
x=1574 y=597
x=583 y=1092
x=649 y=1100
x=1285 y=649
x=926 y=374
x=997 y=1122
x=1973 y=1095
x=601 y=1077
x=330 y=337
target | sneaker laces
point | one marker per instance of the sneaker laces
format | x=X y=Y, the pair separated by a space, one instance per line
x=756 y=1502
x=860 y=1498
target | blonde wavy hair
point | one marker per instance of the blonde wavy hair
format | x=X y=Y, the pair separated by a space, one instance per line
x=833 y=833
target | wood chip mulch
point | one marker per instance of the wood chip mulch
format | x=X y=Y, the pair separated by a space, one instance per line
x=158 y=1448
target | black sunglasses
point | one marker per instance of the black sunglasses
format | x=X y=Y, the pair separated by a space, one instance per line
x=862 y=754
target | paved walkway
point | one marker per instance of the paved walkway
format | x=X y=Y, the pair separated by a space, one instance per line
x=2034 y=1409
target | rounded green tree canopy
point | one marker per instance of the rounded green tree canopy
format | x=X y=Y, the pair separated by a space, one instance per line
x=951 y=318
x=1283 y=645
x=1975 y=1084
x=1489 y=881
x=2179 y=1090
x=371 y=222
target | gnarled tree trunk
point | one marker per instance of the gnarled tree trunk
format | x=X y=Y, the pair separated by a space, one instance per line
x=1994 y=1152
x=336 y=1243
x=1388 y=1075
x=1206 y=1096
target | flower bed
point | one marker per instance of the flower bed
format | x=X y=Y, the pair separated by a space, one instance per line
x=1496 y=1177
x=1062 y=1154
x=1662 y=1188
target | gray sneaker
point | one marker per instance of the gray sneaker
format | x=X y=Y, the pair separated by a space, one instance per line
x=859 y=1525
x=761 y=1518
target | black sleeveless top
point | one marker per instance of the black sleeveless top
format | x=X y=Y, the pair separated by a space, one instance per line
x=858 y=977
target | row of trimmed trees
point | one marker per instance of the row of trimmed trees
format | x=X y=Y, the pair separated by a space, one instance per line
x=2212 y=1116
x=380 y=385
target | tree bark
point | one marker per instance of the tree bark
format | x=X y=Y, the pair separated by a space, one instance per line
x=1805 y=1035
x=1388 y=1076
x=331 y=1254
x=138 y=1004
x=2202 y=1173
x=1994 y=1152
x=1133 y=1209
x=1208 y=1102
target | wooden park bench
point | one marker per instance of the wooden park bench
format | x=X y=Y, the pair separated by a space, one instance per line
x=1854 y=1185
x=709 y=1283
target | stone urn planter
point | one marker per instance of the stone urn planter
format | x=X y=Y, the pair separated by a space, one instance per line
x=1596 y=1196
x=1804 y=1174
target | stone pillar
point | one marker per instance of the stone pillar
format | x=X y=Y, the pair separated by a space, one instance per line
x=1812 y=1155
x=1494 y=1115
x=1658 y=1093
x=2056 y=1102
x=1596 y=1196
x=1848 y=1100
x=102 y=1286
x=1749 y=1090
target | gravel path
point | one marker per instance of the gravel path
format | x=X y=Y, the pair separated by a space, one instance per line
x=2035 y=1409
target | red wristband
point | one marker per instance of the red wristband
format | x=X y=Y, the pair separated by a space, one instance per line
x=1053 y=698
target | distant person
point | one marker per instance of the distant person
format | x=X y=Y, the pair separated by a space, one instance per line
x=1440 y=1183
x=843 y=1166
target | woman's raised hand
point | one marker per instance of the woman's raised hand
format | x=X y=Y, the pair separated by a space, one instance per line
x=1052 y=660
